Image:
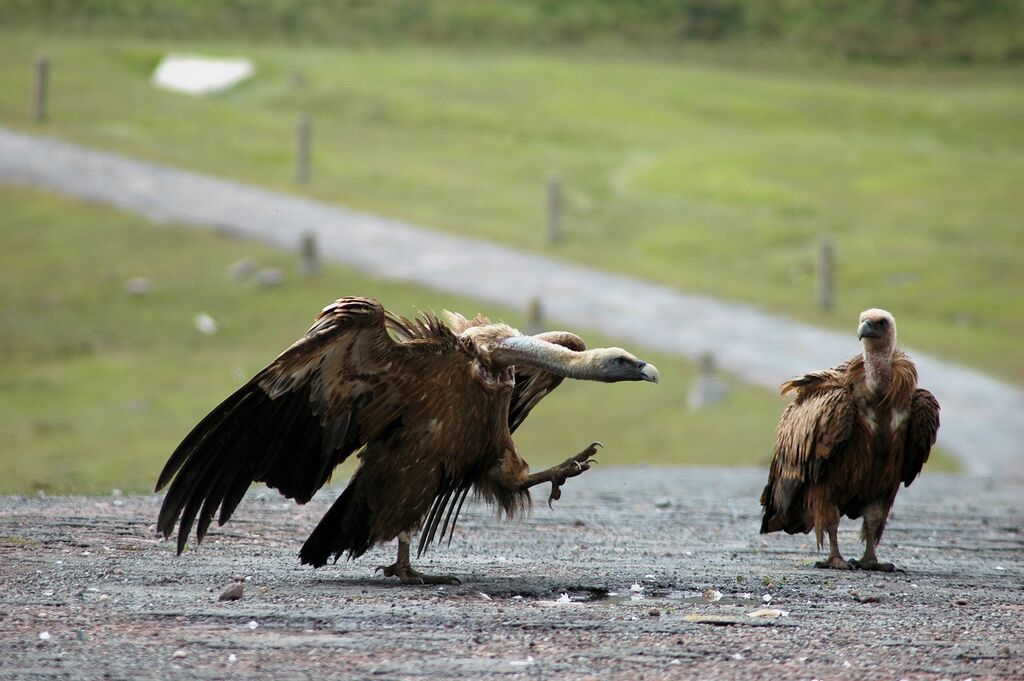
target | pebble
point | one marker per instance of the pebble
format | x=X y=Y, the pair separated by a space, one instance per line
x=712 y=595
x=232 y=592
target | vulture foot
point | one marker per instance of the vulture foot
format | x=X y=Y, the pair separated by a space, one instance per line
x=872 y=565
x=407 y=575
x=834 y=563
x=570 y=468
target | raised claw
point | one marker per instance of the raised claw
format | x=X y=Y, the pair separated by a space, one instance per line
x=556 y=493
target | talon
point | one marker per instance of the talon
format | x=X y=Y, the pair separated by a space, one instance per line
x=556 y=493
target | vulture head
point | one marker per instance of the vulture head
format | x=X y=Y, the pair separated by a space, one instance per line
x=611 y=365
x=877 y=331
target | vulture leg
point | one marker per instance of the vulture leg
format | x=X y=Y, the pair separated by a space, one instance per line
x=834 y=561
x=402 y=568
x=871 y=532
x=557 y=475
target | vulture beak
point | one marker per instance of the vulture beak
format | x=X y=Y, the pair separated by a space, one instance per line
x=649 y=372
x=867 y=330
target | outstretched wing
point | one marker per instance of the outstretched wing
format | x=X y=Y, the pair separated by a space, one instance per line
x=532 y=385
x=924 y=427
x=322 y=399
x=814 y=428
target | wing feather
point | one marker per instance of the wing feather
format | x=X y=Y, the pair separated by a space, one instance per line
x=323 y=398
x=924 y=427
x=813 y=429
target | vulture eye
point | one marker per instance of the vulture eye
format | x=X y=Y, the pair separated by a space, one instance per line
x=621 y=361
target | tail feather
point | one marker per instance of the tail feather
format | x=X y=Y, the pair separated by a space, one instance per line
x=783 y=503
x=346 y=528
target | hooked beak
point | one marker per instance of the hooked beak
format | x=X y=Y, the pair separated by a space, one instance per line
x=867 y=330
x=649 y=372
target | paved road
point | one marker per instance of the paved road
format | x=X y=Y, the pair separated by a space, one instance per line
x=982 y=418
x=117 y=604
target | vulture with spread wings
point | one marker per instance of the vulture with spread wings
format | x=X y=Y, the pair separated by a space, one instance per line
x=844 y=445
x=429 y=407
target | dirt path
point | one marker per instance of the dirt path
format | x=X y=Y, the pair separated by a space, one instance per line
x=114 y=602
x=981 y=416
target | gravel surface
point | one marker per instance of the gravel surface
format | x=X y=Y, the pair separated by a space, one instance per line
x=981 y=416
x=610 y=584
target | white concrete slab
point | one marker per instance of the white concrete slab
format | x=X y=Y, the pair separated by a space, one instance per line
x=200 y=76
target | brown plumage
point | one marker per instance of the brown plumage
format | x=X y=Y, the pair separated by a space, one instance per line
x=844 y=445
x=430 y=408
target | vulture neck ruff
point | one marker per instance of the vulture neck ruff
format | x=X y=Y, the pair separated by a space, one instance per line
x=551 y=357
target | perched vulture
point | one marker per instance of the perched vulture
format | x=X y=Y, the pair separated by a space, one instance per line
x=429 y=407
x=851 y=436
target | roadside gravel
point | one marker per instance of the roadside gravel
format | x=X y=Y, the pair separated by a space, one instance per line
x=610 y=584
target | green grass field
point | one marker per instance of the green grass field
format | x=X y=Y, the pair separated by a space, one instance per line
x=97 y=387
x=705 y=176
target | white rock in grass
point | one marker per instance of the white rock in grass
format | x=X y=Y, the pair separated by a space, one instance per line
x=242 y=269
x=138 y=286
x=44 y=636
x=270 y=276
x=205 y=324
x=198 y=76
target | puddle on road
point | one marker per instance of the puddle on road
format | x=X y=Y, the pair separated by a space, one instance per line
x=602 y=596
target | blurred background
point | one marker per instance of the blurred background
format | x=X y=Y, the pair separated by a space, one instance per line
x=732 y=148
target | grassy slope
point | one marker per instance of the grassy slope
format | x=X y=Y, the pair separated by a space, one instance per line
x=705 y=177
x=97 y=387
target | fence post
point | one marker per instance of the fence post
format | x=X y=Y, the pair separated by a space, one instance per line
x=826 y=272
x=708 y=388
x=302 y=140
x=40 y=85
x=554 y=208
x=534 y=316
x=309 y=255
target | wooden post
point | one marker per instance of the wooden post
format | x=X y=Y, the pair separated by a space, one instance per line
x=309 y=255
x=826 y=271
x=40 y=86
x=302 y=140
x=554 y=208
x=708 y=388
x=534 y=316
